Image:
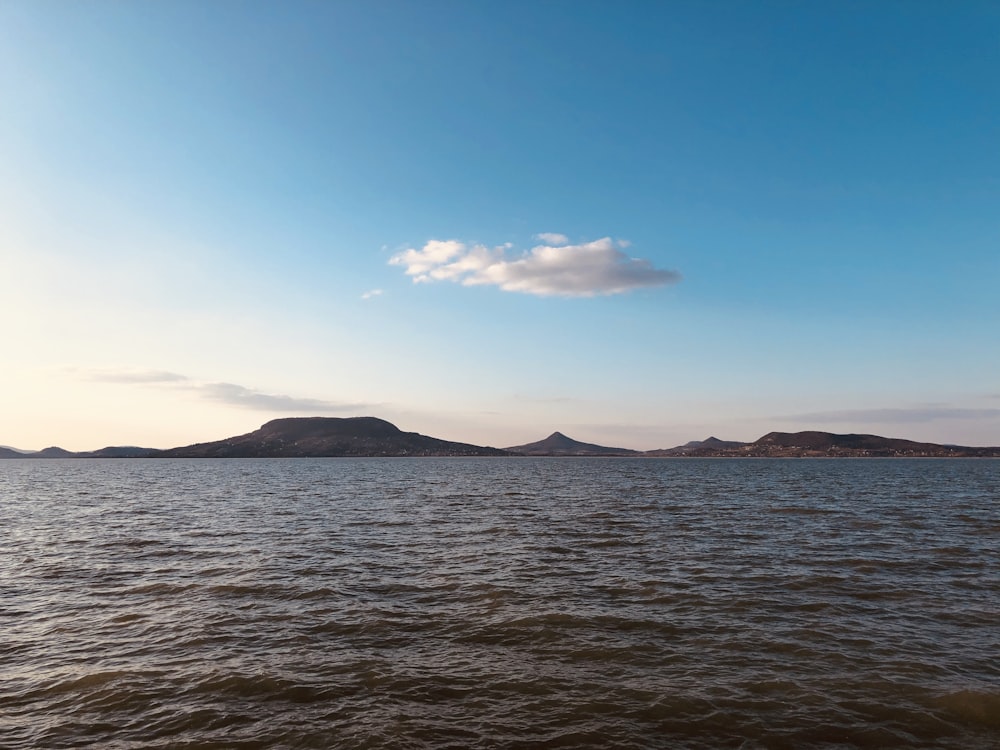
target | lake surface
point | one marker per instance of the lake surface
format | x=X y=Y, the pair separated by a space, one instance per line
x=500 y=603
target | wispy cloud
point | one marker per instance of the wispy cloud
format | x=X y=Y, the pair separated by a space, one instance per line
x=894 y=416
x=136 y=376
x=238 y=395
x=371 y=293
x=224 y=393
x=585 y=270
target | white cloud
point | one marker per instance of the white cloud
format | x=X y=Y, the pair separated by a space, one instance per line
x=371 y=293
x=435 y=253
x=552 y=238
x=583 y=270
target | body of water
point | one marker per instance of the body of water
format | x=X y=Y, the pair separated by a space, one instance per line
x=500 y=603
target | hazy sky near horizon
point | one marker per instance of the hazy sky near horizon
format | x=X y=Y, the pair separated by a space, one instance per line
x=637 y=223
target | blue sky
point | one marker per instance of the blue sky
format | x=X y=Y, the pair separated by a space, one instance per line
x=637 y=223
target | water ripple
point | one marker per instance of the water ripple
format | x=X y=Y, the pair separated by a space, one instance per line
x=488 y=603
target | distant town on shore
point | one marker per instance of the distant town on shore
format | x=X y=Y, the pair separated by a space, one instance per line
x=317 y=437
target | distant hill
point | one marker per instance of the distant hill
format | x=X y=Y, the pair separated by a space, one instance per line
x=126 y=451
x=119 y=451
x=863 y=445
x=370 y=436
x=53 y=452
x=697 y=448
x=12 y=449
x=814 y=443
x=558 y=444
x=327 y=436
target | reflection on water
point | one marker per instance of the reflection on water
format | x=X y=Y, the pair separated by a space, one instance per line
x=411 y=603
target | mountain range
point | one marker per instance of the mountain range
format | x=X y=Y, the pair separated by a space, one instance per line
x=369 y=436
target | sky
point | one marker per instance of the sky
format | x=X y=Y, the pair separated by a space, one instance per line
x=636 y=223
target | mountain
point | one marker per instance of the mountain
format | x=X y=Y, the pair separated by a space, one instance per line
x=852 y=444
x=369 y=436
x=327 y=436
x=53 y=452
x=118 y=451
x=126 y=451
x=697 y=448
x=12 y=449
x=828 y=444
x=558 y=444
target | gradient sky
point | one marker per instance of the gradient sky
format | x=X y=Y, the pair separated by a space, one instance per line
x=638 y=223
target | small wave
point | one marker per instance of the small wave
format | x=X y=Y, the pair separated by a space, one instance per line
x=160 y=589
x=127 y=617
x=798 y=510
x=973 y=706
x=263 y=686
x=264 y=591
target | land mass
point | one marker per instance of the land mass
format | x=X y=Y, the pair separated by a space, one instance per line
x=698 y=447
x=558 y=444
x=125 y=451
x=812 y=443
x=301 y=437
x=328 y=437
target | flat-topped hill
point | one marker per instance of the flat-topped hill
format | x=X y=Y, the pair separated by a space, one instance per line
x=815 y=443
x=823 y=441
x=327 y=436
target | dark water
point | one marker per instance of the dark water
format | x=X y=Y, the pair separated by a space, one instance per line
x=494 y=603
